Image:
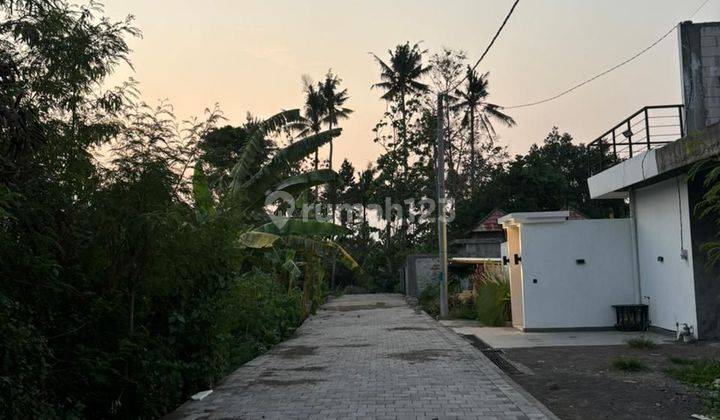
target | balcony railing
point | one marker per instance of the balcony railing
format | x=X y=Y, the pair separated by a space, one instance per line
x=649 y=128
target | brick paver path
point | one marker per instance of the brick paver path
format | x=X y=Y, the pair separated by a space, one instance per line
x=368 y=356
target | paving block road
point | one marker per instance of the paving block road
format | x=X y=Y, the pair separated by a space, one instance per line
x=368 y=356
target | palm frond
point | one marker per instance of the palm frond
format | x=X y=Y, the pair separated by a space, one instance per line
x=493 y=111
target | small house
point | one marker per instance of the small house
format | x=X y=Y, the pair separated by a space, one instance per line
x=569 y=274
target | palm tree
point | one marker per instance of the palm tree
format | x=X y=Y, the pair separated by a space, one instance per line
x=333 y=101
x=314 y=112
x=400 y=78
x=472 y=98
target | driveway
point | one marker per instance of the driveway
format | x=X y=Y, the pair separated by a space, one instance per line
x=368 y=356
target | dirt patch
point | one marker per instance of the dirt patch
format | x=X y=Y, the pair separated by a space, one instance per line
x=295 y=352
x=581 y=383
x=422 y=356
x=409 y=329
x=288 y=382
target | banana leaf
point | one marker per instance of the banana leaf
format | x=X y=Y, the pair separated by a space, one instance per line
x=323 y=248
x=258 y=240
x=294 y=185
x=279 y=120
x=270 y=174
x=295 y=226
x=252 y=151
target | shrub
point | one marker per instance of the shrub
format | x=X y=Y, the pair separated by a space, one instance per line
x=629 y=365
x=642 y=343
x=492 y=300
x=429 y=300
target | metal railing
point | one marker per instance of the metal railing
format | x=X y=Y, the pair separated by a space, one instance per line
x=649 y=128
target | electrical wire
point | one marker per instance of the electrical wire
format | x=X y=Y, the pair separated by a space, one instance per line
x=487 y=49
x=615 y=67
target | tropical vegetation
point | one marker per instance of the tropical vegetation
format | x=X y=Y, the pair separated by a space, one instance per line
x=144 y=257
x=138 y=255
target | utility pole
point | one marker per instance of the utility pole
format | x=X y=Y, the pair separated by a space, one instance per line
x=442 y=227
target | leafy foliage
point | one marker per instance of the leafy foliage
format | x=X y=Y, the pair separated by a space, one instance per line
x=125 y=287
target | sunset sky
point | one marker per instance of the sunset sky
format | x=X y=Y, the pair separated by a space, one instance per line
x=250 y=56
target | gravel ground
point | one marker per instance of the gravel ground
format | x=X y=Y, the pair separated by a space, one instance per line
x=580 y=382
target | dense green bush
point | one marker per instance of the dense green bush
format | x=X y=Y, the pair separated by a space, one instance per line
x=429 y=300
x=492 y=299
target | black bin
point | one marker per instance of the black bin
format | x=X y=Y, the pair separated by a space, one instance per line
x=631 y=317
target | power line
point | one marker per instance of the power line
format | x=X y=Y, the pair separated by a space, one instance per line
x=698 y=9
x=492 y=41
x=615 y=67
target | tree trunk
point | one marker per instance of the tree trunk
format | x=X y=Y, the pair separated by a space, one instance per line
x=406 y=170
x=333 y=195
x=317 y=163
x=333 y=191
x=472 y=146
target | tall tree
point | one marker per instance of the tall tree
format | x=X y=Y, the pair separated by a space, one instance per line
x=314 y=111
x=333 y=101
x=401 y=78
x=473 y=99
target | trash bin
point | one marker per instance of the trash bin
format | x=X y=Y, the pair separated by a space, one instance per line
x=631 y=317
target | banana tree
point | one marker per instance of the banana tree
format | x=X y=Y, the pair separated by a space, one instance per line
x=249 y=188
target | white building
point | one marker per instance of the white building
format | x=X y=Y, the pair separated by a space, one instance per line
x=568 y=274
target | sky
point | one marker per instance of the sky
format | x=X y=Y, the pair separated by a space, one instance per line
x=250 y=55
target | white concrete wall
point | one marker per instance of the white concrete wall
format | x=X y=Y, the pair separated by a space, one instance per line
x=610 y=182
x=667 y=286
x=567 y=294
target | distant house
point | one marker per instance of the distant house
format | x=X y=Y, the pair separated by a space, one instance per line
x=479 y=244
x=568 y=274
x=483 y=240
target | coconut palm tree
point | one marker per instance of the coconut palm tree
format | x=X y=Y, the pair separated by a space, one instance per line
x=333 y=101
x=473 y=99
x=314 y=112
x=400 y=78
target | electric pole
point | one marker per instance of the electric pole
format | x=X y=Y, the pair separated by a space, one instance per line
x=440 y=206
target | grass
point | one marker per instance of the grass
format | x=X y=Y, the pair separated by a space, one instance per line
x=642 y=343
x=702 y=375
x=629 y=365
x=679 y=361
